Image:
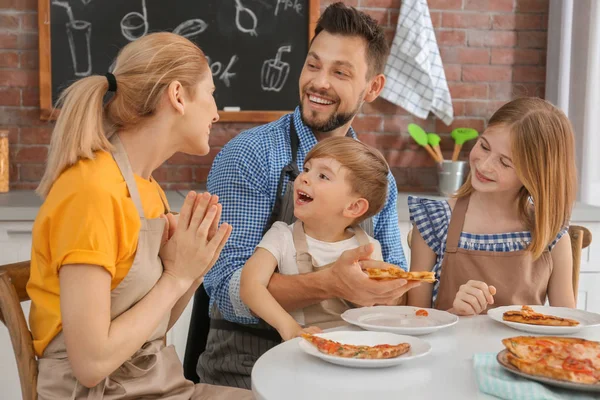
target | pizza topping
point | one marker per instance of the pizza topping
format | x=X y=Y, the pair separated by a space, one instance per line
x=544 y=343
x=528 y=316
x=581 y=366
x=568 y=359
x=380 y=351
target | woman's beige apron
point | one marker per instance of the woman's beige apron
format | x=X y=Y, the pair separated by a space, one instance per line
x=518 y=279
x=326 y=314
x=154 y=371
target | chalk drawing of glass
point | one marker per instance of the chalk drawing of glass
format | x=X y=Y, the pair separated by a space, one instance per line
x=135 y=25
x=274 y=72
x=78 y=33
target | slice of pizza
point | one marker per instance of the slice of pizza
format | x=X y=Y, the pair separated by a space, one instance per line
x=528 y=316
x=569 y=359
x=536 y=347
x=382 y=274
x=550 y=366
x=379 y=352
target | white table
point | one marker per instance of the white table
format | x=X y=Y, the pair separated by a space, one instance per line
x=287 y=372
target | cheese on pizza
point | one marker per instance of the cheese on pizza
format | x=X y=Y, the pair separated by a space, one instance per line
x=397 y=273
x=333 y=348
x=527 y=316
x=567 y=359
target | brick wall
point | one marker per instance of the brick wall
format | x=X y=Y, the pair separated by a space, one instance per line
x=493 y=50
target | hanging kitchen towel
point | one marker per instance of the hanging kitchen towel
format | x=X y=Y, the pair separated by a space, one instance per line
x=415 y=75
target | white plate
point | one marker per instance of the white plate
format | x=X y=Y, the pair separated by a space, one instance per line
x=399 y=319
x=586 y=319
x=418 y=348
x=503 y=361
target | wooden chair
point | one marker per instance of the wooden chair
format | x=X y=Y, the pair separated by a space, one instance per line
x=581 y=238
x=13 y=279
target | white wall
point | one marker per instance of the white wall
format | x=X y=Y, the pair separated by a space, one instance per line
x=573 y=83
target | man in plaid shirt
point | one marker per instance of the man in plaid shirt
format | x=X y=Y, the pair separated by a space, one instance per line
x=343 y=70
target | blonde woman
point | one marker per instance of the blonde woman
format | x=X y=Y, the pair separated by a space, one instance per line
x=111 y=268
x=503 y=238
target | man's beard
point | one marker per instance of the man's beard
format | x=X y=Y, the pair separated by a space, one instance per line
x=335 y=120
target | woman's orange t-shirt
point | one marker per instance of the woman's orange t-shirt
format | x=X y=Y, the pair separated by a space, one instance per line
x=87 y=218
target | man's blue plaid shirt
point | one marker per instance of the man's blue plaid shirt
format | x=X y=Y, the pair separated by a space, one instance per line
x=244 y=175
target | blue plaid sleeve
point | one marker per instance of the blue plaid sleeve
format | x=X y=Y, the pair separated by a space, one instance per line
x=558 y=237
x=238 y=177
x=387 y=231
x=431 y=218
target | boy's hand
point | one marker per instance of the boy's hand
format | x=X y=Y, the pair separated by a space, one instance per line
x=293 y=331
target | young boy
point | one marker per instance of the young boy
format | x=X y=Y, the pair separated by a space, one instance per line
x=343 y=182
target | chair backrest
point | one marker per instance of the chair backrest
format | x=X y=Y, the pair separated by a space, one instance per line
x=13 y=280
x=581 y=238
x=197 y=334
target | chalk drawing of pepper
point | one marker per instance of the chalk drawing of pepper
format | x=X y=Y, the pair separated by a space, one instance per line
x=239 y=10
x=274 y=72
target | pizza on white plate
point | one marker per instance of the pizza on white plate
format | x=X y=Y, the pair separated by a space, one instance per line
x=528 y=316
x=378 y=352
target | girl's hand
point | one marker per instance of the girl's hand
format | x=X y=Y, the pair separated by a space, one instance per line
x=197 y=242
x=473 y=298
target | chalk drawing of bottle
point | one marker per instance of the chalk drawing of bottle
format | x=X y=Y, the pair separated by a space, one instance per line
x=135 y=25
x=274 y=72
x=78 y=33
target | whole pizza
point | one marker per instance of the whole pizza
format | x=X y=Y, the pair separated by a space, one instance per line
x=567 y=359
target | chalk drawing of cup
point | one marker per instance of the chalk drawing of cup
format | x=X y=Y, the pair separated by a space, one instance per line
x=135 y=25
x=79 y=33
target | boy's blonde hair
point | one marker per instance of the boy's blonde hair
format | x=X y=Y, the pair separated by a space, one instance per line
x=543 y=154
x=143 y=70
x=368 y=175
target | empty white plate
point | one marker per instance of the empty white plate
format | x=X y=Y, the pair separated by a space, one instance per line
x=418 y=348
x=586 y=319
x=399 y=319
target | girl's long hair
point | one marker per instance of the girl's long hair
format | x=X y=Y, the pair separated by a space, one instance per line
x=542 y=144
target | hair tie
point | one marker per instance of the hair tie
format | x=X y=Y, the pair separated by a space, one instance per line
x=112 y=82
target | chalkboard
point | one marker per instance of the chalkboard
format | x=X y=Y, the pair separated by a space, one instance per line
x=256 y=48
